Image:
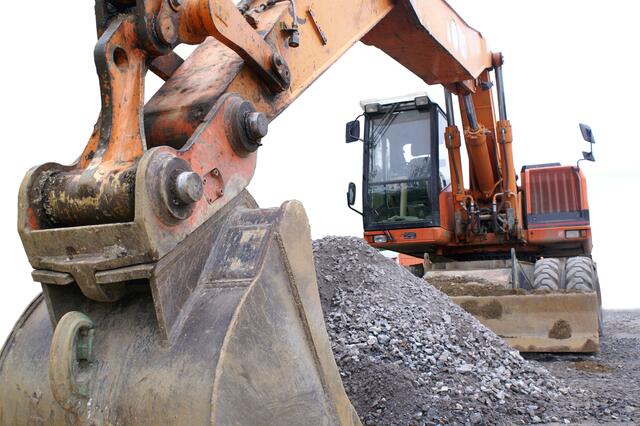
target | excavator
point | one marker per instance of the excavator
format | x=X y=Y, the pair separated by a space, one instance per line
x=531 y=243
x=168 y=295
x=518 y=257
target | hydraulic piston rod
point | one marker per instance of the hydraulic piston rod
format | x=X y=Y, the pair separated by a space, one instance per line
x=470 y=111
x=448 y=100
x=502 y=107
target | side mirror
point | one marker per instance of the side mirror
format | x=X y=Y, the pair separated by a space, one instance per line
x=588 y=156
x=352 y=131
x=351 y=197
x=351 y=194
x=587 y=133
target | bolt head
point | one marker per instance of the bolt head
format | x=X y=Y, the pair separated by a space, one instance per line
x=166 y=30
x=294 y=39
x=189 y=187
x=257 y=125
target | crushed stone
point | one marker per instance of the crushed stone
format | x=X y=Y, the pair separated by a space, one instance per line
x=410 y=356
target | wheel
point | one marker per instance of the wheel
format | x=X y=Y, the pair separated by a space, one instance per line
x=417 y=270
x=580 y=274
x=547 y=274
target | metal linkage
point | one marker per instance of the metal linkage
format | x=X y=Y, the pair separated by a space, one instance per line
x=250 y=16
x=189 y=22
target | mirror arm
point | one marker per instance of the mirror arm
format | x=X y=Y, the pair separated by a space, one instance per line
x=591 y=158
x=358 y=138
x=355 y=210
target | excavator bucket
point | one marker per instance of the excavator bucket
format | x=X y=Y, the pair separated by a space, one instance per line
x=498 y=294
x=553 y=322
x=247 y=344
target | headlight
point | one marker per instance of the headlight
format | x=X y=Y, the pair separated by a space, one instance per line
x=379 y=239
x=372 y=108
x=422 y=102
x=572 y=234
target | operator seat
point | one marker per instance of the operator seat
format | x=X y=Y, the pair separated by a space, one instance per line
x=418 y=197
x=420 y=168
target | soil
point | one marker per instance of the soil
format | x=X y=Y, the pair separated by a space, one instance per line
x=592 y=367
x=460 y=286
x=491 y=310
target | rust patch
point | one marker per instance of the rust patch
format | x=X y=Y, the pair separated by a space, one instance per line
x=70 y=251
x=590 y=346
x=592 y=367
x=561 y=330
x=491 y=310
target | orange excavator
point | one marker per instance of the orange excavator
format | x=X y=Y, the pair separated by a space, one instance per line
x=168 y=295
x=531 y=243
x=516 y=257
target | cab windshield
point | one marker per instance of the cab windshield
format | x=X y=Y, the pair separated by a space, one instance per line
x=400 y=168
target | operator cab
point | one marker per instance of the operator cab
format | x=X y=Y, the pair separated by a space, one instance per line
x=405 y=162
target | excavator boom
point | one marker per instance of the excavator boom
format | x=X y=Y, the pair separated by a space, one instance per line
x=434 y=42
x=156 y=173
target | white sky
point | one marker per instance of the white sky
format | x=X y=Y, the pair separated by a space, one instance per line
x=565 y=62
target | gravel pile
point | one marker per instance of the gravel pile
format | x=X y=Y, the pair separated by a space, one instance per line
x=408 y=355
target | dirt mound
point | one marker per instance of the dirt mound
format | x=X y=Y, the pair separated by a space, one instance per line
x=460 y=286
x=408 y=355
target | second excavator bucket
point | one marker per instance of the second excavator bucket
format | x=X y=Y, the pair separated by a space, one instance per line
x=553 y=322
x=498 y=293
x=248 y=345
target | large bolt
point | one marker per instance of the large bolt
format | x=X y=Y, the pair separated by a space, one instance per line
x=166 y=30
x=294 y=38
x=256 y=125
x=188 y=187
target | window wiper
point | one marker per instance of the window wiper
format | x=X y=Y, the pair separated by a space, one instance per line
x=398 y=218
x=386 y=121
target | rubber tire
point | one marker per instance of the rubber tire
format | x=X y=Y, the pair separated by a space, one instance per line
x=547 y=274
x=417 y=270
x=580 y=274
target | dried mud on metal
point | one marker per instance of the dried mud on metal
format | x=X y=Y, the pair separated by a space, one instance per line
x=410 y=356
